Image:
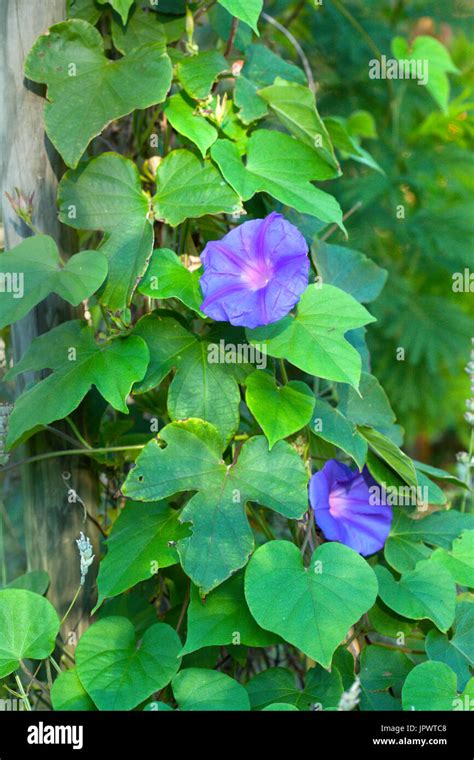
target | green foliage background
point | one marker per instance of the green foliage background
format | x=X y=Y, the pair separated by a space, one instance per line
x=216 y=591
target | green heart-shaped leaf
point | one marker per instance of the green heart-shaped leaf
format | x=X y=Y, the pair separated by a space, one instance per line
x=200 y=689
x=314 y=607
x=430 y=686
x=428 y=591
x=28 y=628
x=279 y=411
x=116 y=674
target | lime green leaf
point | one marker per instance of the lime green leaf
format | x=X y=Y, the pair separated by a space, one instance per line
x=199 y=689
x=428 y=591
x=288 y=179
x=436 y=63
x=314 y=339
x=390 y=453
x=183 y=117
x=247 y=11
x=105 y=194
x=460 y=559
x=200 y=388
x=138 y=547
x=121 y=6
x=167 y=277
x=28 y=628
x=186 y=188
x=140 y=29
x=70 y=60
x=221 y=539
x=261 y=68
x=78 y=363
x=197 y=73
x=223 y=618
x=280 y=707
x=325 y=600
x=457 y=651
x=329 y=424
x=295 y=106
x=276 y=686
x=430 y=686
x=36 y=270
x=350 y=271
x=68 y=693
x=117 y=675
x=280 y=411
x=36 y=581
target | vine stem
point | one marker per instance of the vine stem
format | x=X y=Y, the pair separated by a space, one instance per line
x=33 y=678
x=23 y=694
x=284 y=373
x=262 y=523
x=77 y=432
x=231 y=40
x=396 y=647
x=309 y=528
x=70 y=452
x=183 y=608
x=74 y=600
x=297 y=47
x=335 y=227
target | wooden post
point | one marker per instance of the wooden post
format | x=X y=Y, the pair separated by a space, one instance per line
x=52 y=520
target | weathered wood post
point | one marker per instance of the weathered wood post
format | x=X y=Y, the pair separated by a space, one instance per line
x=30 y=163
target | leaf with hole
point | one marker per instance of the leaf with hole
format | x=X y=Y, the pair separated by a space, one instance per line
x=221 y=539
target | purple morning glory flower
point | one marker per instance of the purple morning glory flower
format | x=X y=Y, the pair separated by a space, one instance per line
x=256 y=273
x=344 y=509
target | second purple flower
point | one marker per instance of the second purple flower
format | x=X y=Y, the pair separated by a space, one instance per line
x=256 y=273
